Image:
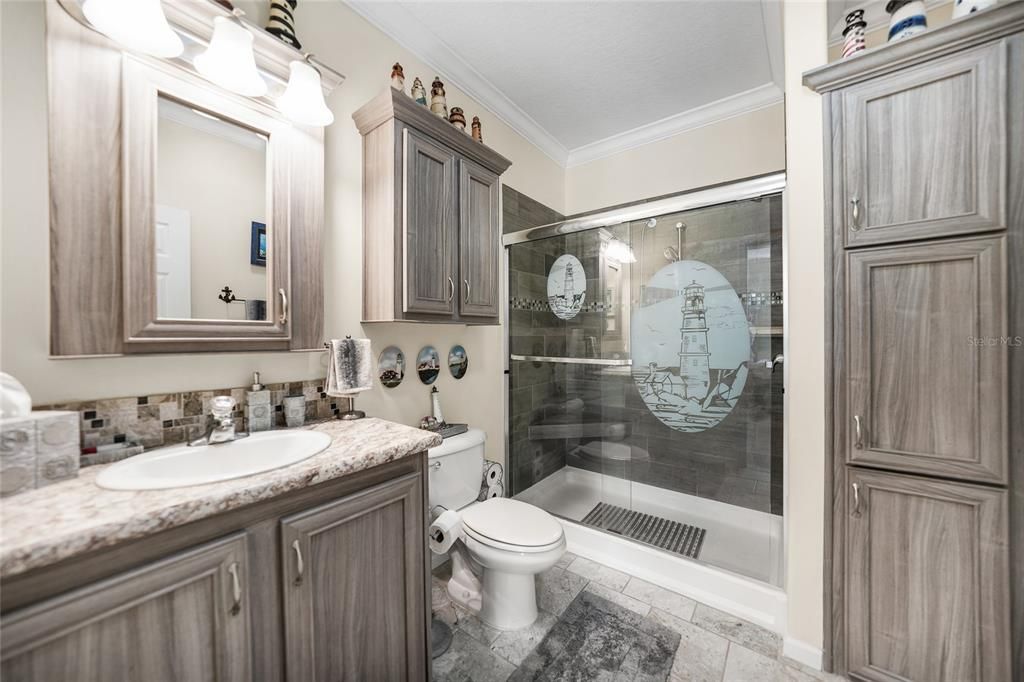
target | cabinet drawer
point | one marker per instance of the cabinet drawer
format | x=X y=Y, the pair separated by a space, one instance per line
x=924 y=151
x=927 y=384
x=927 y=580
x=185 y=617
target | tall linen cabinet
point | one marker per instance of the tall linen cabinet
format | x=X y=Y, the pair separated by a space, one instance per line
x=924 y=187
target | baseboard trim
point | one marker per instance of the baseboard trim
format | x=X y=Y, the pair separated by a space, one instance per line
x=802 y=652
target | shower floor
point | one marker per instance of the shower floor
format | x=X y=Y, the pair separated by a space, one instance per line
x=739 y=540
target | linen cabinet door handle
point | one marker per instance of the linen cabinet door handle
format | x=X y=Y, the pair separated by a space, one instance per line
x=858 y=433
x=466 y=281
x=236 y=589
x=856 y=500
x=855 y=214
x=300 y=566
x=451 y=284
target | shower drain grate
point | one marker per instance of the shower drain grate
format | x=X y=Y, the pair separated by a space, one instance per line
x=680 y=538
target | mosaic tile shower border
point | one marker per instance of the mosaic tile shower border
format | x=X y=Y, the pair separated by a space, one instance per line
x=151 y=421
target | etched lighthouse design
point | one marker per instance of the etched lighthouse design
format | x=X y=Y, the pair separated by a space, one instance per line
x=694 y=358
x=569 y=285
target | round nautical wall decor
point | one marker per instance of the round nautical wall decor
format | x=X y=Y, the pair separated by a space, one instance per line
x=691 y=344
x=567 y=286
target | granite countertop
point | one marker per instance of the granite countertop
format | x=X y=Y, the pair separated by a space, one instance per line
x=47 y=525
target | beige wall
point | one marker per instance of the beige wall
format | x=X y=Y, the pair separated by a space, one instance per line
x=342 y=39
x=734 y=148
x=806 y=31
x=223 y=186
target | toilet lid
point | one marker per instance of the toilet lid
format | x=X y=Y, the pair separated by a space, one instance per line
x=512 y=522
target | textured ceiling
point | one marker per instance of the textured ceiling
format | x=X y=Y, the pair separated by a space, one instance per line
x=586 y=71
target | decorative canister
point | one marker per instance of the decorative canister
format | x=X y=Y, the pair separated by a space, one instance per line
x=853 y=34
x=294 y=410
x=906 y=18
x=962 y=8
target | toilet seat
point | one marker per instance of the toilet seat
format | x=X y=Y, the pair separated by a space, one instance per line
x=515 y=526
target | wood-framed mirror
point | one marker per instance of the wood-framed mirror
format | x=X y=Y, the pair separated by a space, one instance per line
x=127 y=138
x=205 y=215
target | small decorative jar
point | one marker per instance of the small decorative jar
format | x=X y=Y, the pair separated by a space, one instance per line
x=853 y=34
x=294 y=408
x=963 y=8
x=906 y=18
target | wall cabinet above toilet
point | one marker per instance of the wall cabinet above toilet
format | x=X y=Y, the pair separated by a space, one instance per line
x=430 y=217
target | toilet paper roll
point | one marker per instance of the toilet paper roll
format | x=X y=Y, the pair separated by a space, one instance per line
x=492 y=473
x=495 y=490
x=444 y=531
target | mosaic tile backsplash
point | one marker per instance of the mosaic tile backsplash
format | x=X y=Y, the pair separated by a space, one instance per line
x=151 y=421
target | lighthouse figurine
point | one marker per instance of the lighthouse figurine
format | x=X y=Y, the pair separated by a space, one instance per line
x=398 y=77
x=418 y=93
x=458 y=119
x=438 y=104
x=477 y=135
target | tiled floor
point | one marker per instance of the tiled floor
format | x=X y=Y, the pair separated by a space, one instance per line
x=714 y=646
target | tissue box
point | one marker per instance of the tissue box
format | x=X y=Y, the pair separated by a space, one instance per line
x=37 y=450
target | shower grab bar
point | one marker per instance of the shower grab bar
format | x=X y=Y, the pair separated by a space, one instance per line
x=573 y=361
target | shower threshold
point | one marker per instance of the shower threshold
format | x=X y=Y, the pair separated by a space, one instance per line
x=740 y=564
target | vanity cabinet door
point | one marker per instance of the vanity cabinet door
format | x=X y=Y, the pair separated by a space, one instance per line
x=925 y=150
x=926 y=341
x=478 y=241
x=354 y=587
x=429 y=221
x=927 y=580
x=183 y=618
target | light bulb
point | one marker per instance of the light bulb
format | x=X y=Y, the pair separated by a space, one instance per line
x=303 y=99
x=139 y=25
x=229 y=60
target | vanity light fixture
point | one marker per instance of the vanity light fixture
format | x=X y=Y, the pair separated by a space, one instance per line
x=139 y=25
x=229 y=61
x=303 y=98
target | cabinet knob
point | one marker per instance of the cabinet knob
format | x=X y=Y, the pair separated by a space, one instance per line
x=855 y=214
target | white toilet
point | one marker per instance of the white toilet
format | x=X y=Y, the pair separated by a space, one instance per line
x=504 y=541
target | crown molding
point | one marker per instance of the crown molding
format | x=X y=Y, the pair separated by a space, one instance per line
x=396 y=22
x=875 y=16
x=729 y=107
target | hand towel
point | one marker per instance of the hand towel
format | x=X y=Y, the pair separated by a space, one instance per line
x=348 y=367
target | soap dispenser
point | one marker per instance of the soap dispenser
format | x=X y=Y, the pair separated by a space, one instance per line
x=258 y=411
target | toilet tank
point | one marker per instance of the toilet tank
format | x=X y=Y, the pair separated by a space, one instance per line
x=456 y=470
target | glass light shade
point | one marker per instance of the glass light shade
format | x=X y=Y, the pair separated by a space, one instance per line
x=229 y=60
x=303 y=99
x=139 y=25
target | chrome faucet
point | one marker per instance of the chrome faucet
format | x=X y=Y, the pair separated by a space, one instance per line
x=221 y=427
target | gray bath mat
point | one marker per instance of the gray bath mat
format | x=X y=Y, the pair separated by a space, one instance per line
x=596 y=640
x=680 y=538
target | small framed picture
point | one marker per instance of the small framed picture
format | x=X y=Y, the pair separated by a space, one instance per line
x=258 y=244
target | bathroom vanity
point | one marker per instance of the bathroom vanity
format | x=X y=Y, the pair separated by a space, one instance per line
x=317 y=571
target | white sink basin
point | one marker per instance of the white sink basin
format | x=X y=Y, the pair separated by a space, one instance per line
x=179 y=466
